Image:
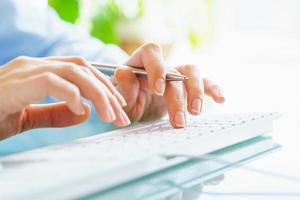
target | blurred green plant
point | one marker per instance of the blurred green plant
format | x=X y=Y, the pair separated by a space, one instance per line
x=104 y=20
x=194 y=38
x=106 y=14
x=197 y=38
x=68 y=10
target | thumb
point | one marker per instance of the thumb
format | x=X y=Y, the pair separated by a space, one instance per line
x=51 y=115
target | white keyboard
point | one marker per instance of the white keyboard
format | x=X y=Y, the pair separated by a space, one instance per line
x=203 y=134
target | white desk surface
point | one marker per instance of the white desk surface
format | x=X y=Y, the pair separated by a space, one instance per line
x=256 y=87
x=257 y=73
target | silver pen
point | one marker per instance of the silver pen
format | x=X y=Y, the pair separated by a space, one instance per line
x=140 y=72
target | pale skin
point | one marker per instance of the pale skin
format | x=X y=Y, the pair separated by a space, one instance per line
x=25 y=81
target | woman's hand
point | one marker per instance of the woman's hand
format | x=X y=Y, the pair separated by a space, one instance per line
x=25 y=80
x=147 y=99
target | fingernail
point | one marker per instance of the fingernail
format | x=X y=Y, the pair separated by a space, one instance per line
x=123 y=102
x=160 y=87
x=125 y=118
x=196 y=106
x=121 y=99
x=179 y=119
x=110 y=114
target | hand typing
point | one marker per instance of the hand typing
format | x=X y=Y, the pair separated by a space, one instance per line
x=152 y=98
x=25 y=80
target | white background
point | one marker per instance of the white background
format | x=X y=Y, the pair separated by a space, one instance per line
x=256 y=59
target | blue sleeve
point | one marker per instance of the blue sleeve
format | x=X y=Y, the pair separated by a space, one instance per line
x=29 y=27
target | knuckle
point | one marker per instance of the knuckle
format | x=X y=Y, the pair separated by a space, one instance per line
x=75 y=93
x=151 y=46
x=22 y=59
x=47 y=78
x=71 y=68
x=178 y=102
x=100 y=96
x=102 y=93
x=189 y=68
x=79 y=59
x=86 y=70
